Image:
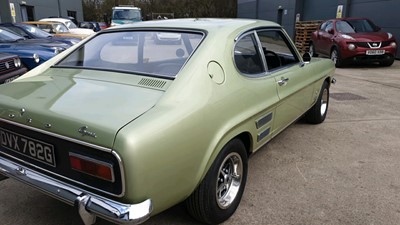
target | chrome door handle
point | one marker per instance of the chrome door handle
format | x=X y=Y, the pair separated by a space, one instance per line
x=283 y=81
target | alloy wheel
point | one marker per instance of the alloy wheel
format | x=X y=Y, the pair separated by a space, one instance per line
x=229 y=180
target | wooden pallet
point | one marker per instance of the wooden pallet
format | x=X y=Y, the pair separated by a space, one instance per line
x=303 y=33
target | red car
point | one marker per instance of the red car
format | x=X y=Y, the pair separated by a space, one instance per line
x=353 y=40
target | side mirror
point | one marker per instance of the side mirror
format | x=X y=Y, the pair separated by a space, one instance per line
x=331 y=31
x=306 y=57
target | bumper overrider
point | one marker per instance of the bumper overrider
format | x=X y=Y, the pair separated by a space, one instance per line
x=89 y=205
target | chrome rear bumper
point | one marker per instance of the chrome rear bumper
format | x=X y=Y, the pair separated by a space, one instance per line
x=89 y=205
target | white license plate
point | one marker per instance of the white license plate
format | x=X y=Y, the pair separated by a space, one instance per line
x=375 y=52
x=34 y=149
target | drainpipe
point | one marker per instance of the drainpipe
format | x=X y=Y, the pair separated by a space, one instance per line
x=257 y=9
x=59 y=8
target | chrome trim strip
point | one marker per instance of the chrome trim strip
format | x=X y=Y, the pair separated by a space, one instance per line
x=88 y=203
x=114 y=153
x=261 y=51
x=263 y=134
x=274 y=134
x=374 y=47
x=104 y=149
x=69 y=179
x=264 y=120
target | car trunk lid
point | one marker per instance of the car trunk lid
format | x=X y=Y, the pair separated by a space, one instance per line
x=86 y=105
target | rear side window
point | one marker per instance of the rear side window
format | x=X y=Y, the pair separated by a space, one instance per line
x=247 y=56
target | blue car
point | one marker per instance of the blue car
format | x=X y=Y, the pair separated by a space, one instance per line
x=32 y=52
x=10 y=68
x=33 y=32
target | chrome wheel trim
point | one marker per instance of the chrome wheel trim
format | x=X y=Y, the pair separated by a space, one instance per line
x=311 y=51
x=324 y=102
x=334 y=56
x=229 y=180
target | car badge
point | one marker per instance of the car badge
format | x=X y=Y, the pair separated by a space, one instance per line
x=83 y=130
x=375 y=44
x=7 y=65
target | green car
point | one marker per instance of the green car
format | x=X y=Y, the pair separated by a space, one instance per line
x=124 y=127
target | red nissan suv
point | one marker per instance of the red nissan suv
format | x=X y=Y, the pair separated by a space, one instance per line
x=354 y=40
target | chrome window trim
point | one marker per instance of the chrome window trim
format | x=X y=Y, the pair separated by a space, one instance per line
x=290 y=46
x=236 y=40
x=264 y=60
x=115 y=154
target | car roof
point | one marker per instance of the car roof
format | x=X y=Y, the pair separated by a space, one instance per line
x=62 y=20
x=41 y=22
x=207 y=24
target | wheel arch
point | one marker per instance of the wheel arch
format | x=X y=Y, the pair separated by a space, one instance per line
x=244 y=136
x=329 y=81
x=334 y=47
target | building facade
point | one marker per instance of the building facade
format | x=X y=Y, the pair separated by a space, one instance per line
x=30 y=10
x=384 y=13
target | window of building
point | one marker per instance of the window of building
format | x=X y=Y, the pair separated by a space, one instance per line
x=27 y=13
x=72 y=14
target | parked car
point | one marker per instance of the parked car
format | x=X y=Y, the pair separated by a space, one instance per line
x=353 y=40
x=10 y=68
x=103 y=25
x=33 y=32
x=125 y=129
x=56 y=29
x=32 y=52
x=72 y=27
x=90 y=25
x=167 y=37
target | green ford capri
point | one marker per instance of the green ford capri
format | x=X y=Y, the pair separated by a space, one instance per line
x=124 y=126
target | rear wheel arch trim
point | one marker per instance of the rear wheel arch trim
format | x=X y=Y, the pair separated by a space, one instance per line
x=244 y=136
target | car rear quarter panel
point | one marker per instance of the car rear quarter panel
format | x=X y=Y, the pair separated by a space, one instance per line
x=167 y=151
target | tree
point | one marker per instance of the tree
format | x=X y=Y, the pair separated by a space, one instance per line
x=95 y=10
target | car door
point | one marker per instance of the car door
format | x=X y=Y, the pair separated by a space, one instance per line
x=317 y=37
x=326 y=39
x=260 y=87
x=292 y=77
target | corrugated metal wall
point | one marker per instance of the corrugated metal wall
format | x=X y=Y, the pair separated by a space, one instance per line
x=41 y=8
x=385 y=13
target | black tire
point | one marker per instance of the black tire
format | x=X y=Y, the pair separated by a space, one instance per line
x=317 y=113
x=2 y=177
x=335 y=56
x=206 y=203
x=312 y=50
x=388 y=62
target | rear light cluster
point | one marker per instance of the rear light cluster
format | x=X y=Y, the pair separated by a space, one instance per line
x=92 y=167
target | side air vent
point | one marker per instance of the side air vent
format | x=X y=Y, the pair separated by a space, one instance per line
x=152 y=83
